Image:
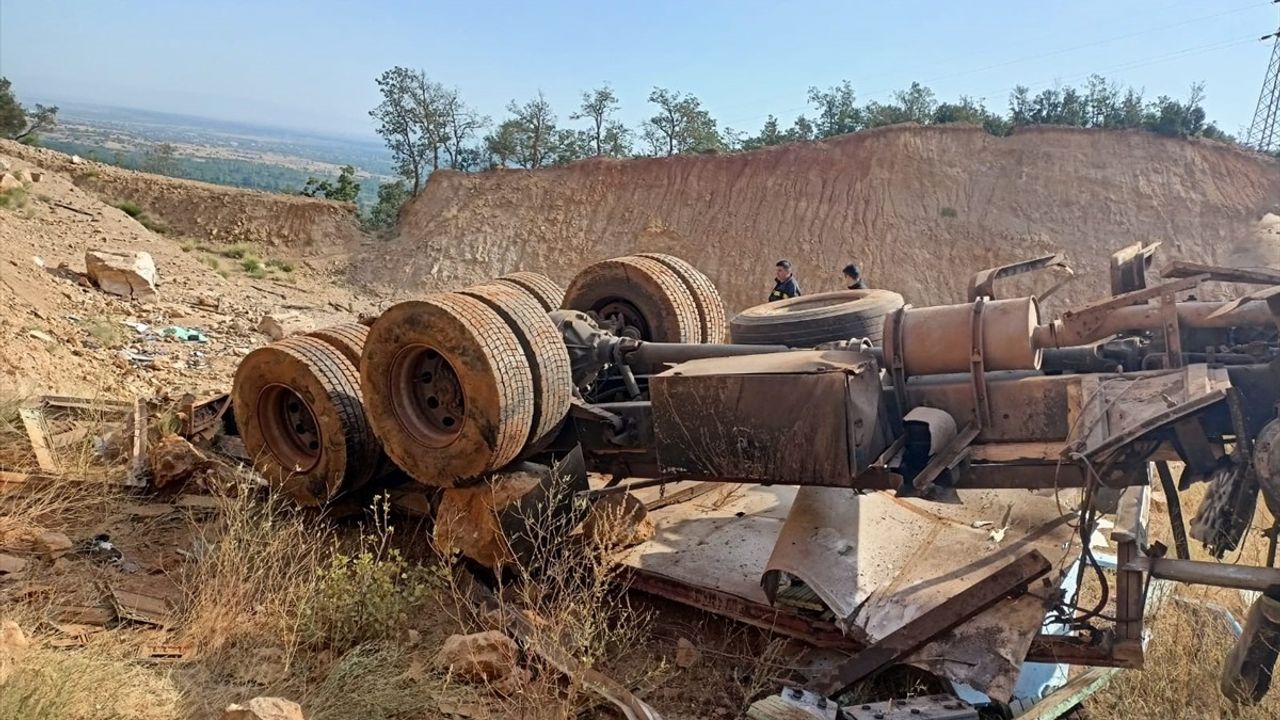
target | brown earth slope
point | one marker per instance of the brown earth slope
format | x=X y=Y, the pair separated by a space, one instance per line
x=208 y=212
x=918 y=208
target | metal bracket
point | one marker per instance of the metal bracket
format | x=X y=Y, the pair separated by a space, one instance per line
x=1129 y=267
x=898 y=368
x=982 y=284
x=1172 y=333
x=955 y=450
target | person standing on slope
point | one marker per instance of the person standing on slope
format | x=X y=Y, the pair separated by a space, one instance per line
x=853 y=278
x=784 y=282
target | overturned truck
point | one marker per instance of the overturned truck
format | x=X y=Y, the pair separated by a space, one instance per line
x=911 y=486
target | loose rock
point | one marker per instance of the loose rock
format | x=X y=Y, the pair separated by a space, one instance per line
x=618 y=520
x=13 y=645
x=278 y=325
x=479 y=657
x=9 y=182
x=11 y=565
x=687 y=654
x=264 y=708
x=23 y=175
x=53 y=545
x=173 y=459
x=129 y=275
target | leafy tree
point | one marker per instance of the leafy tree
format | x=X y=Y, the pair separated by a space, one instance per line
x=461 y=124
x=386 y=212
x=606 y=135
x=344 y=189
x=161 y=159
x=399 y=126
x=529 y=138
x=502 y=144
x=802 y=129
x=770 y=134
x=837 y=108
x=681 y=125
x=16 y=122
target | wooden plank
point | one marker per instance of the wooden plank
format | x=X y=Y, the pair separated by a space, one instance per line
x=32 y=414
x=1075 y=691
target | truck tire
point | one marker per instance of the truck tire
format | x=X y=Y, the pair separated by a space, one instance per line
x=640 y=297
x=448 y=388
x=810 y=320
x=347 y=338
x=706 y=298
x=543 y=289
x=543 y=347
x=299 y=410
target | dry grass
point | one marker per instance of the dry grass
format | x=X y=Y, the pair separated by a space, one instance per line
x=1189 y=642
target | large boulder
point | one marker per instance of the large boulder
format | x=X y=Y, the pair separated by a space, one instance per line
x=264 y=708
x=127 y=274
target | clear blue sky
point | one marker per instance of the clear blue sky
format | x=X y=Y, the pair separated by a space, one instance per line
x=311 y=64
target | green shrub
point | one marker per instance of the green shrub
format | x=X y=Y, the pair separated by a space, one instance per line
x=13 y=198
x=130 y=208
x=281 y=265
x=948 y=212
x=235 y=252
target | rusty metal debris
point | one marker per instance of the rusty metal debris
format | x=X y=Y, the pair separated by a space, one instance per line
x=937 y=620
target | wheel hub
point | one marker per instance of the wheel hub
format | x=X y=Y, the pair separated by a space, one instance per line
x=427 y=396
x=623 y=319
x=289 y=427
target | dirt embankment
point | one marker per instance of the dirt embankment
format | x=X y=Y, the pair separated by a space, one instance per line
x=213 y=213
x=919 y=209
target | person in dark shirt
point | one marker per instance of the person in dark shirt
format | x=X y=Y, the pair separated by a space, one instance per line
x=853 y=278
x=784 y=282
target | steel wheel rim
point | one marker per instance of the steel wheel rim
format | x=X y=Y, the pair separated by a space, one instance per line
x=426 y=396
x=289 y=428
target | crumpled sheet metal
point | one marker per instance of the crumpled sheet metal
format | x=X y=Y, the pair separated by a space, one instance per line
x=877 y=561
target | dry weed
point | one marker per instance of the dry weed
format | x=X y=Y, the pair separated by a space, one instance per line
x=573 y=602
x=255 y=567
x=52 y=684
x=1189 y=642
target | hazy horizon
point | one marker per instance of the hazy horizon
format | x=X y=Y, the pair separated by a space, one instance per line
x=310 y=67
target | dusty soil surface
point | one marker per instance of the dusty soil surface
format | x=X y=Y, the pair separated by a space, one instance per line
x=61 y=335
x=919 y=209
x=212 y=213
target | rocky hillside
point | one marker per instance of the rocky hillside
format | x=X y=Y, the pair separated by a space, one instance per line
x=213 y=213
x=919 y=208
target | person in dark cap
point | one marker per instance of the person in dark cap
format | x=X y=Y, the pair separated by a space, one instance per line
x=853 y=278
x=784 y=282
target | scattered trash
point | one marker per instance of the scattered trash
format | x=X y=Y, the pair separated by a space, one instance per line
x=164 y=652
x=100 y=549
x=42 y=336
x=129 y=358
x=140 y=327
x=39 y=261
x=264 y=708
x=185 y=334
x=142 y=608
